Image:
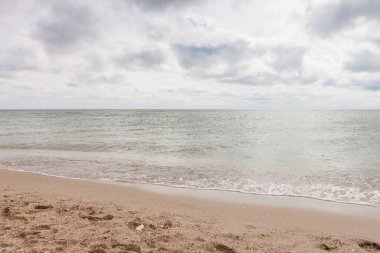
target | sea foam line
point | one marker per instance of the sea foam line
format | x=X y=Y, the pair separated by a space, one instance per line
x=199 y=188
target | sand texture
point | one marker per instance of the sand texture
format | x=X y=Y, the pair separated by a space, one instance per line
x=48 y=214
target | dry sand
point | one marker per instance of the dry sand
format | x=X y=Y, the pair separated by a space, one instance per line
x=49 y=214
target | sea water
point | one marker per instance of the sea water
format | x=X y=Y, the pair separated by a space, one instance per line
x=328 y=155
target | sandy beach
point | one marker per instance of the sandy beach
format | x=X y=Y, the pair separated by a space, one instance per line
x=189 y=126
x=50 y=214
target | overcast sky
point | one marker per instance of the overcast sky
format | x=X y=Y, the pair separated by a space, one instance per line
x=190 y=54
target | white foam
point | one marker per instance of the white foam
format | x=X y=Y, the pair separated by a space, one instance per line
x=321 y=191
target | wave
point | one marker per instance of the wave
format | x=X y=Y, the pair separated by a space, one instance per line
x=310 y=193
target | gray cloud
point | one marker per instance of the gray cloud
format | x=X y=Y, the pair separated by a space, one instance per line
x=373 y=86
x=73 y=85
x=202 y=60
x=269 y=79
x=376 y=42
x=200 y=21
x=236 y=57
x=143 y=59
x=97 y=79
x=68 y=25
x=259 y=79
x=288 y=58
x=331 y=17
x=17 y=59
x=370 y=84
x=95 y=62
x=161 y=5
x=365 y=61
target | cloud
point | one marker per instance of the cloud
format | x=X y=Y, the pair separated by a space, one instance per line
x=271 y=79
x=259 y=79
x=200 y=21
x=335 y=16
x=367 y=84
x=68 y=25
x=240 y=62
x=286 y=59
x=372 y=85
x=94 y=62
x=364 y=61
x=131 y=53
x=74 y=85
x=208 y=60
x=19 y=58
x=144 y=60
x=376 y=42
x=162 y=5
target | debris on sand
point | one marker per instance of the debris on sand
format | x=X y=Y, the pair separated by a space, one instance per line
x=7 y=211
x=11 y=215
x=132 y=247
x=167 y=224
x=90 y=210
x=42 y=207
x=100 y=248
x=152 y=226
x=327 y=247
x=223 y=248
x=135 y=223
x=43 y=227
x=369 y=245
x=129 y=247
x=107 y=217
x=62 y=242
x=95 y=218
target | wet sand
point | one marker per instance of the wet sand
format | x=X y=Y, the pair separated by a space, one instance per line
x=49 y=214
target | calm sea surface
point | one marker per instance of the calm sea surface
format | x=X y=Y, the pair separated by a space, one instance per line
x=330 y=155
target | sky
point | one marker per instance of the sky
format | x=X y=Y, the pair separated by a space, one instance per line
x=225 y=54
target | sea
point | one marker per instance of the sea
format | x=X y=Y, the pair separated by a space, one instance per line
x=327 y=155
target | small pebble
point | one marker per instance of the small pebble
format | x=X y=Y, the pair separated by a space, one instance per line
x=139 y=228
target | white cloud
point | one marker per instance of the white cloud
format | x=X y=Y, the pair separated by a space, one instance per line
x=189 y=54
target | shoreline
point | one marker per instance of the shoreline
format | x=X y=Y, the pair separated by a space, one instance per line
x=240 y=197
x=286 y=201
x=339 y=193
x=200 y=225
